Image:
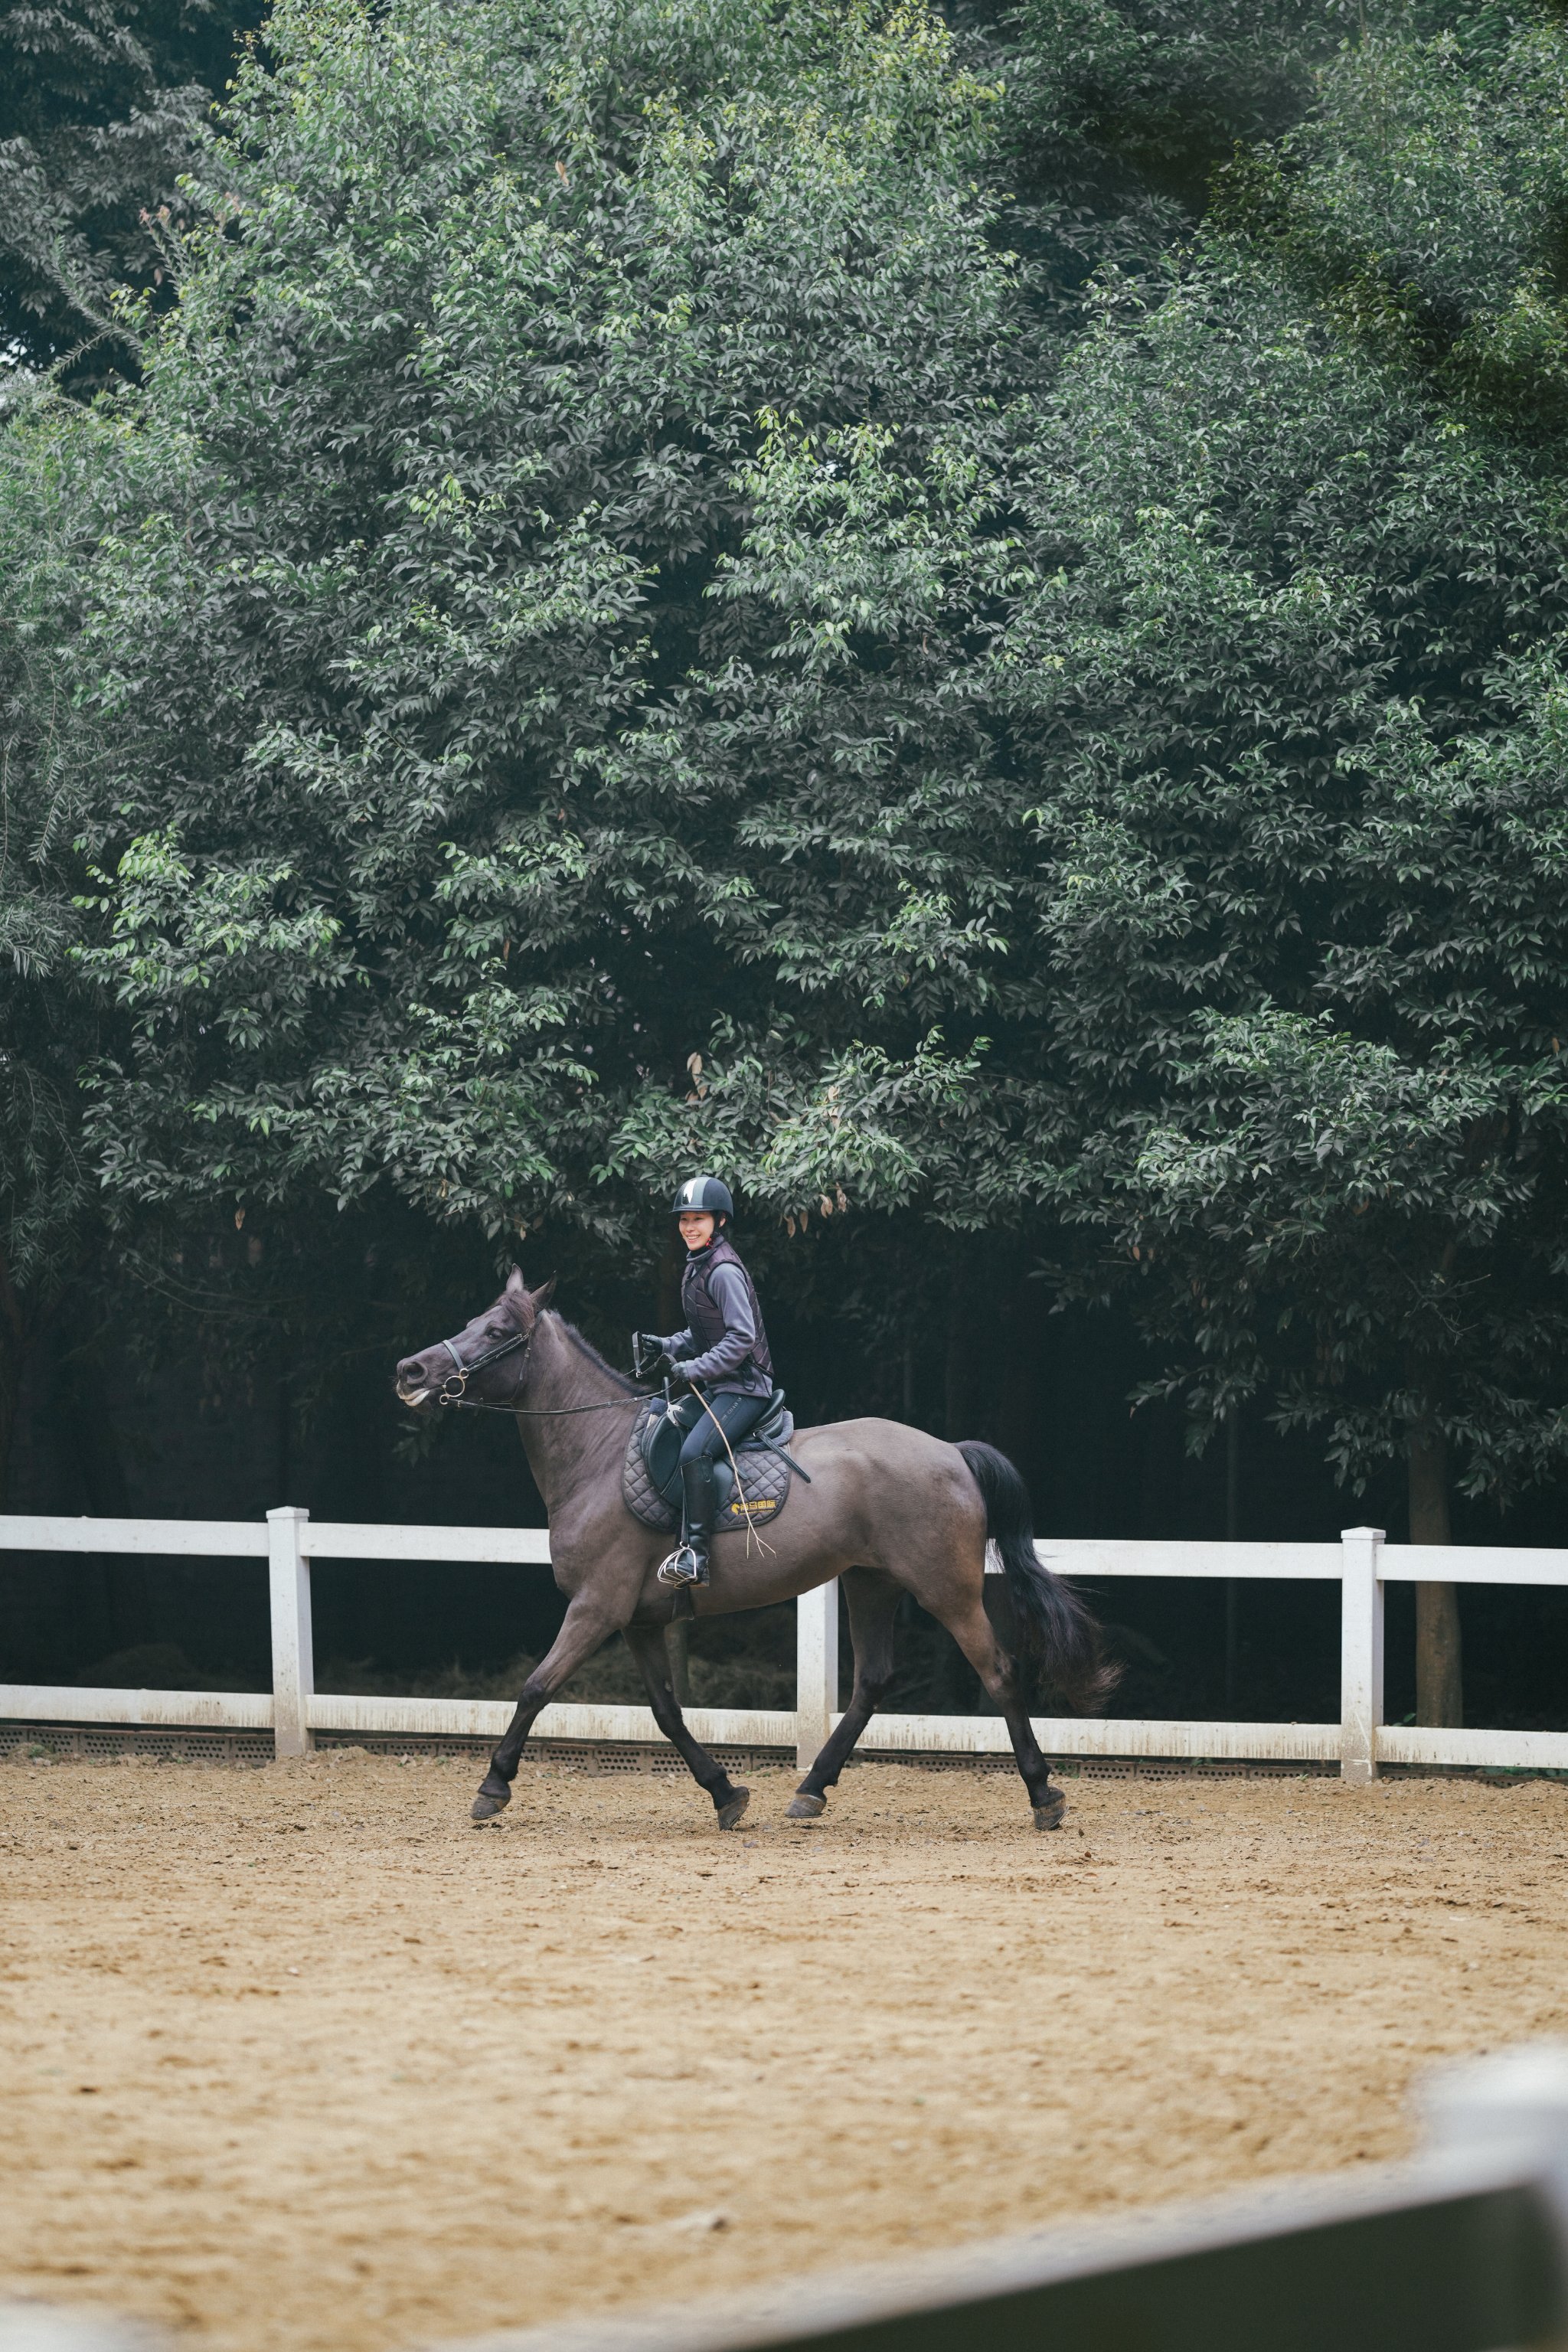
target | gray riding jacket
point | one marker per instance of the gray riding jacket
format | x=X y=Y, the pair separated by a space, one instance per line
x=724 y=1344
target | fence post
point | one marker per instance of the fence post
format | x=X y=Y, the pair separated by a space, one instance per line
x=815 y=1669
x=293 y=1660
x=1361 y=1652
x=1516 y=2097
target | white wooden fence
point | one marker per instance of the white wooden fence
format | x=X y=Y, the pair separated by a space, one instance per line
x=1361 y=1563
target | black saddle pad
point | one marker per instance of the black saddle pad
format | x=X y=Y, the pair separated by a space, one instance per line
x=650 y=1476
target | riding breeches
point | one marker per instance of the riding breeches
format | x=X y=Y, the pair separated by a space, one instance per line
x=729 y=1416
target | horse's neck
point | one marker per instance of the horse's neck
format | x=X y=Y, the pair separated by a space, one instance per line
x=563 y=1447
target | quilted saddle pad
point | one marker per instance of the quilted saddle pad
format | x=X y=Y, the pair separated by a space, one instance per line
x=764 y=1484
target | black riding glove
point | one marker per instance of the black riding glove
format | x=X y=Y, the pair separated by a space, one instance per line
x=649 y=1352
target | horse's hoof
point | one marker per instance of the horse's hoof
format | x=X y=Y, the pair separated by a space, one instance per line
x=805 y=1808
x=734 y=1805
x=1048 y=1816
x=485 y=1807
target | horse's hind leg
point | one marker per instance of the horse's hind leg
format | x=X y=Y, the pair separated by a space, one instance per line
x=972 y=1629
x=873 y=1600
x=646 y=1645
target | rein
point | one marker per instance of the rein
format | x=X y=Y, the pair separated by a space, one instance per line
x=454 y=1388
x=543 y=1411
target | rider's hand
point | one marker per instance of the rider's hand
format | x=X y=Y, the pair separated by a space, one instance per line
x=648 y=1352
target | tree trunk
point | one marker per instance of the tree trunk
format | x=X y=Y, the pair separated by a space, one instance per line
x=1439 y=1670
x=1016 y=1410
x=1232 y=1535
x=954 y=1368
x=78 y=1390
x=671 y=1264
x=961 y=1410
x=10 y=1398
x=14 y=1337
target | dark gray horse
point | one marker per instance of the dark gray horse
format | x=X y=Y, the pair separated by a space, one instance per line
x=887 y=1510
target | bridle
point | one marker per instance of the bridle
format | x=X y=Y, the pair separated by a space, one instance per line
x=454 y=1388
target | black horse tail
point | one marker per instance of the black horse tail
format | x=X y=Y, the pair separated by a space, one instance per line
x=1053 y=1630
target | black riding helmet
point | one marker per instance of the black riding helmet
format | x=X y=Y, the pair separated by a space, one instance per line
x=703 y=1196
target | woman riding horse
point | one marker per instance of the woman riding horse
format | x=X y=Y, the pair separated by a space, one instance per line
x=887 y=1510
x=722 y=1354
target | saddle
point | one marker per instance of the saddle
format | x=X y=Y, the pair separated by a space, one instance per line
x=650 y=1476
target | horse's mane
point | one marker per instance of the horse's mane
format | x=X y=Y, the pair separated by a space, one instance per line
x=587 y=1348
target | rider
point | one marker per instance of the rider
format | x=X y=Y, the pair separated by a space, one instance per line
x=723 y=1353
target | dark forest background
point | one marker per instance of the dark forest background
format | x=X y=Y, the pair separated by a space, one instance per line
x=956 y=614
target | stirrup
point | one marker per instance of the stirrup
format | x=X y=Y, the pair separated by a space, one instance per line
x=683 y=1566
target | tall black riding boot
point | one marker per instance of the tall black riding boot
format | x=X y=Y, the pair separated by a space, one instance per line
x=689 y=1564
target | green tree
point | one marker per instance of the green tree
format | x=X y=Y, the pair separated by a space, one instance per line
x=1423 y=208
x=1117 y=112
x=49 y=1029
x=1292 y=683
x=1108 y=99
x=100 y=111
x=627 y=634
x=528 y=656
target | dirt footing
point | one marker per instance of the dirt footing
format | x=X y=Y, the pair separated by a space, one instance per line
x=300 y=2060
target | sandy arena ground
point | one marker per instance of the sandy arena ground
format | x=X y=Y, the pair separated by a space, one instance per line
x=296 y=2058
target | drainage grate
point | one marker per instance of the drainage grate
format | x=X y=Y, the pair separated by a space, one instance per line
x=1183 y=1768
x=592 y=1755
x=108 y=1742
x=1109 y=1768
x=105 y=1743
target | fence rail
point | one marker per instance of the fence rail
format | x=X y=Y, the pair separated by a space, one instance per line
x=294 y=1711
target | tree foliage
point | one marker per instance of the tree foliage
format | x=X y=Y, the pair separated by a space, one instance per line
x=555 y=409
x=1425 y=204
x=1290 y=689
x=48 y=510
x=650 y=606
x=101 y=105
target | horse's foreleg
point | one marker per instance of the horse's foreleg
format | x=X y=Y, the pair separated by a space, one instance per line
x=972 y=1629
x=646 y=1645
x=583 y=1627
x=873 y=1600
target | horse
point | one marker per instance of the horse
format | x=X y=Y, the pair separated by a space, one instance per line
x=887 y=1510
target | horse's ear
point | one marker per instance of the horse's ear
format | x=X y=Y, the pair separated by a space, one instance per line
x=541 y=1298
x=515 y=1285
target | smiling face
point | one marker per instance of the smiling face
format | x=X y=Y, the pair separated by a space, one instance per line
x=421 y=1378
x=696 y=1229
